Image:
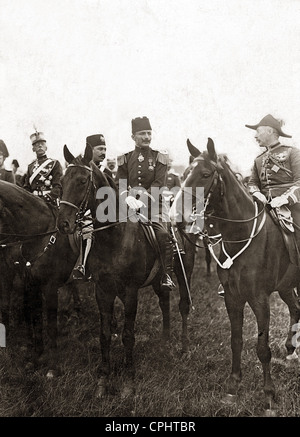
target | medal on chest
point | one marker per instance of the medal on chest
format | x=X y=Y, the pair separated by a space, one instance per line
x=140 y=158
x=151 y=166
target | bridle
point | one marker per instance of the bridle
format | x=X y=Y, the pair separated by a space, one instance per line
x=217 y=180
x=82 y=208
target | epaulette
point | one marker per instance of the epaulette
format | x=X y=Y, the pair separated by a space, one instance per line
x=163 y=158
x=121 y=160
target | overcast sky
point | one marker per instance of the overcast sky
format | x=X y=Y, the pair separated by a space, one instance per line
x=196 y=68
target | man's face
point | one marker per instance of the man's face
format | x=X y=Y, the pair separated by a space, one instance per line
x=99 y=153
x=39 y=148
x=142 y=138
x=263 y=136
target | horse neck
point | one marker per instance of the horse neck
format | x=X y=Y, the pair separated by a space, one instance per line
x=235 y=204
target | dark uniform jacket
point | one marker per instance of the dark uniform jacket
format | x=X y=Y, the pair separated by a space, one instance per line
x=47 y=179
x=276 y=172
x=7 y=175
x=142 y=168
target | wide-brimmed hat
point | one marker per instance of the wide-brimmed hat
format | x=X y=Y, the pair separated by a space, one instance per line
x=95 y=140
x=37 y=136
x=3 y=149
x=270 y=121
x=139 y=124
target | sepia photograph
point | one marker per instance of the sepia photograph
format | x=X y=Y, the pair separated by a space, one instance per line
x=149 y=211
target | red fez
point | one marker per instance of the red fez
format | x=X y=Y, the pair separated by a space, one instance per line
x=140 y=123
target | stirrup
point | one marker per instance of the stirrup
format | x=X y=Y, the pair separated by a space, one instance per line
x=166 y=283
x=79 y=272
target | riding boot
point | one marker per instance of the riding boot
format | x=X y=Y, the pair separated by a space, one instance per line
x=79 y=271
x=166 y=256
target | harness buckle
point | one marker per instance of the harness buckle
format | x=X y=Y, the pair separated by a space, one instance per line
x=52 y=239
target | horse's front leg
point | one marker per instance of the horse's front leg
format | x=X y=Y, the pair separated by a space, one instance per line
x=105 y=300
x=261 y=309
x=235 y=310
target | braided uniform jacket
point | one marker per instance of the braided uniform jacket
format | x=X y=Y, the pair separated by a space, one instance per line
x=276 y=172
x=48 y=179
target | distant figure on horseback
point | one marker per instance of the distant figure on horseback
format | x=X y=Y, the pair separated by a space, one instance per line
x=43 y=176
x=144 y=168
x=97 y=143
x=275 y=176
x=5 y=174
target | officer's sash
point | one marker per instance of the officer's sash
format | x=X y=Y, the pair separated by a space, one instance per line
x=39 y=169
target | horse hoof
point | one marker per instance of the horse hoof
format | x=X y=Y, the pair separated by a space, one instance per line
x=293 y=356
x=50 y=374
x=229 y=399
x=270 y=413
x=100 y=391
x=127 y=391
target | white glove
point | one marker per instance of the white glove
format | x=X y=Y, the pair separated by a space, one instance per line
x=279 y=201
x=134 y=203
x=260 y=196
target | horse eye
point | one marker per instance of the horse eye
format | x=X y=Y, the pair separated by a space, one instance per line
x=206 y=175
x=83 y=181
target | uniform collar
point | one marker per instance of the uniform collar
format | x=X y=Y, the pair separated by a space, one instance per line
x=273 y=146
x=142 y=149
x=41 y=158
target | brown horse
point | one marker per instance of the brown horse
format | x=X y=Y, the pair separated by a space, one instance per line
x=253 y=260
x=121 y=260
x=32 y=247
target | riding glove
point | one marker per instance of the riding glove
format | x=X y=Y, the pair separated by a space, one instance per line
x=260 y=197
x=134 y=203
x=279 y=201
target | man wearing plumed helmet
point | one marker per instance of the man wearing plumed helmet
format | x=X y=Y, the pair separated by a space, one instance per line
x=43 y=176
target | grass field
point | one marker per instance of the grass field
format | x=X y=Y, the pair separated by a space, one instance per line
x=168 y=384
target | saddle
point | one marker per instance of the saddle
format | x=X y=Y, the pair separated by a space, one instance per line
x=282 y=216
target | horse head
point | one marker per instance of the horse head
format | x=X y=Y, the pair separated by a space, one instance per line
x=80 y=184
x=211 y=187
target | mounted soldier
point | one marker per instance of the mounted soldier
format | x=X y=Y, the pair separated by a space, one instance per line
x=97 y=143
x=43 y=176
x=5 y=174
x=144 y=168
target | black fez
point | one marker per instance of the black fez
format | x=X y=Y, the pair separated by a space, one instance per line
x=140 y=123
x=15 y=162
x=3 y=149
x=270 y=121
x=95 y=140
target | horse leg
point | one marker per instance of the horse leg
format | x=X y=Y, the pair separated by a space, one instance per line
x=288 y=298
x=261 y=310
x=164 y=303
x=235 y=310
x=33 y=313
x=184 y=301
x=51 y=297
x=105 y=301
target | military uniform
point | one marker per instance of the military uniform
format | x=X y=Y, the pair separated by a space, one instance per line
x=7 y=175
x=143 y=168
x=276 y=172
x=43 y=177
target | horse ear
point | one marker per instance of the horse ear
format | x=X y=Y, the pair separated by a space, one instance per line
x=211 y=150
x=88 y=154
x=68 y=155
x=192 y=149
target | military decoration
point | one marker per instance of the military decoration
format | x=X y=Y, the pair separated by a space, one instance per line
x=151 y=167
x=140 y=158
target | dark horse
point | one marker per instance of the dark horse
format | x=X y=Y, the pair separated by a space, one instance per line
x=121 y=261
x=253 y=261
x=32 y=247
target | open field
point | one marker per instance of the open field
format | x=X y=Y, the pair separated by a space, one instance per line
x=168 y=384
